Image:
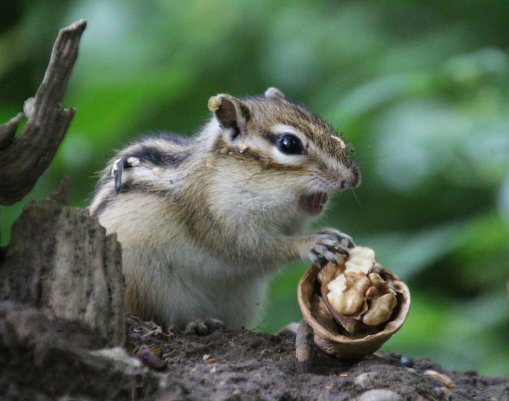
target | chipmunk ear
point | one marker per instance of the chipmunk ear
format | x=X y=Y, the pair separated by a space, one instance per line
x=230 y=112
x=274 y=93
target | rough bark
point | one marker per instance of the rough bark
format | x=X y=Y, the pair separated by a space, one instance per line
x=44 y=358
x=61 y=258
x=25 y=158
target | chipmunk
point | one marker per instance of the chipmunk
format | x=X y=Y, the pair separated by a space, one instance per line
x=204 y=222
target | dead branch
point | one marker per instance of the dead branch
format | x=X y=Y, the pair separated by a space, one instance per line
x=25 y=158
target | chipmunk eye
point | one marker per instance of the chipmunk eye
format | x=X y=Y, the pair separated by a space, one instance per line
x=290 y=144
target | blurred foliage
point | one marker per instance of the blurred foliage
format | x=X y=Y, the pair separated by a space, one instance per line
x=421 y=89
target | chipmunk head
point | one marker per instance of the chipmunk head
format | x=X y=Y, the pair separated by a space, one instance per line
x=288 y=152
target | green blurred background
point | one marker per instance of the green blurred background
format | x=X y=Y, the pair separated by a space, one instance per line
x=420 y=88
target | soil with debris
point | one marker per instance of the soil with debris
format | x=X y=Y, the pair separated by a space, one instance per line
x=242 y=365
x=46 y=358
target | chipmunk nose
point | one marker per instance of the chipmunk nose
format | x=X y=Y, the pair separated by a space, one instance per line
x=353 y=178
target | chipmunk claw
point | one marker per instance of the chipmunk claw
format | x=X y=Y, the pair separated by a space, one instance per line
x=328 y=245
x=344 y=241
x=318 y=252
x=203 y=327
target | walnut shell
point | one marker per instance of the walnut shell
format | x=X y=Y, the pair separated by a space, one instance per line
x=330 y=335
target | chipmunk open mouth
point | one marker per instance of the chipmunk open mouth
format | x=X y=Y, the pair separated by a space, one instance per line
x=313 y=204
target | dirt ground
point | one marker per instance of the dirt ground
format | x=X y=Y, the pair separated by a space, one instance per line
x=242 y=365
x=45 y=358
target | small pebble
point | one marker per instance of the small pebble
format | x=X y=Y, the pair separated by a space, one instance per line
x=366 y=380
x=208 y=359
x=406 y=361
x=380 y=395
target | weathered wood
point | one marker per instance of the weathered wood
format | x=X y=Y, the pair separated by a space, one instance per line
x=8 y=131
x=45 y=358
x=61 y=258
x=25 y=158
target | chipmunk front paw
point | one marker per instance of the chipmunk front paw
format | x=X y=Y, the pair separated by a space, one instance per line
x=328 y=243
x=344 y=240
x=204 y=327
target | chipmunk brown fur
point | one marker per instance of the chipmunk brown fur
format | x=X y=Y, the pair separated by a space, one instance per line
x=204 y=222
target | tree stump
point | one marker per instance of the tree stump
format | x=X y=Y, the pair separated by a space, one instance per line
x=60 y=258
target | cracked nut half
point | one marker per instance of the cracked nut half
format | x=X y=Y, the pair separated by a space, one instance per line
x=353 y=307
x=356 y=294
